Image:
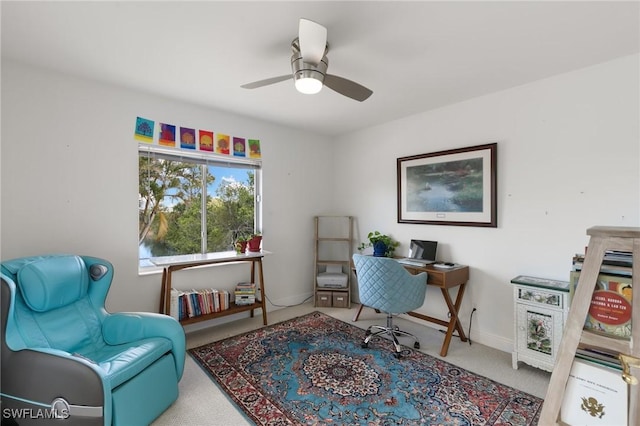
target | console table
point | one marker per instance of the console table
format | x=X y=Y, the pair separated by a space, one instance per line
x=444 y=279
x=171 y=264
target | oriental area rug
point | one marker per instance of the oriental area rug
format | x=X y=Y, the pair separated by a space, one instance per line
x=311 y=370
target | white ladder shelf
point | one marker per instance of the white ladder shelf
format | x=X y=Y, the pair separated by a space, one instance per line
x=602 y=238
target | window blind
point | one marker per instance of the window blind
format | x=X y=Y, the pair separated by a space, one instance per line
x=199 y=157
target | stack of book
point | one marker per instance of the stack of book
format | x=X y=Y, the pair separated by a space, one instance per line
x=599 y=356
x=245 y=293
x=595 y=395
x=610 y=309
x=594 y=381
x=194 y=303
x=614 y=262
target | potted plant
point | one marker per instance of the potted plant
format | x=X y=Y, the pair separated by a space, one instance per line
x=241 y=244
x=383 y=245
x=254 y=242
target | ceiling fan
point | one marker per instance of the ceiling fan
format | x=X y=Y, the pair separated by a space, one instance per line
x=309 y=65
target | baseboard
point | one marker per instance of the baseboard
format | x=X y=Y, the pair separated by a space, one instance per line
x=477 y=336
x=289 y=301
x=492 y=341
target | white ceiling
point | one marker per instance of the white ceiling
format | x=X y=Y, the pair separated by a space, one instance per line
x=415 y=56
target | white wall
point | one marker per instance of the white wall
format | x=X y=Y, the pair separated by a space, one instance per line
x=568 y=159
x=69 y=182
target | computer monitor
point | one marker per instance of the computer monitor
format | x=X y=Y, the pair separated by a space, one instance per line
x=424 y=250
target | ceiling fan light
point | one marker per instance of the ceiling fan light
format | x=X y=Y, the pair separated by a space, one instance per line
x=308 y=85
x=308 y=78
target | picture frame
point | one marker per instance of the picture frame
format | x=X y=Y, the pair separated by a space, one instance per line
x=454 y=187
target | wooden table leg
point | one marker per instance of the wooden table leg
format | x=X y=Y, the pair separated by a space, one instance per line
x=454 y=321
x=163 y=291
x=165 y=296
x=253 y=277
x=458 y=302
x=357 y=315
x=263 y=301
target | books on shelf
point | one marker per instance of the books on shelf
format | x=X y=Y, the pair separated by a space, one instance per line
x=194 y=303
x=595 y=395
x=599 y=356
x=610 y=309
x=245 y=293
x=614 y=262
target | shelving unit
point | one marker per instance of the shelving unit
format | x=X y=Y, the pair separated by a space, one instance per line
x=333 y=247
x=602 y=238
x=177 y=263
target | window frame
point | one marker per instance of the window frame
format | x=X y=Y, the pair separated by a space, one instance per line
x=205 y=160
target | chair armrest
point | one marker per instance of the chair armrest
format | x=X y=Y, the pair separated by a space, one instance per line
x=38 y=376
x=127 y=327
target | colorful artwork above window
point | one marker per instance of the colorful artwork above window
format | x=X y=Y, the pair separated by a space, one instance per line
x=239 y=149
x=167 y=135
x=187 y=138
x=144 y=130
x=222 y=144
x=254 y=148
x=206 y=140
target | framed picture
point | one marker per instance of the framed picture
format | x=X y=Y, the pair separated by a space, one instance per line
x=455 y=187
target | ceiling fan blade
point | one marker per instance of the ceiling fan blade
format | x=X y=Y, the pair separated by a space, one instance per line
x=347 y=88
x=266 y=82
x=313 y=41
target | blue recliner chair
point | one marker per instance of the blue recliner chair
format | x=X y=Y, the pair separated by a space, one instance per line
x=67 y=360
x=385 y=285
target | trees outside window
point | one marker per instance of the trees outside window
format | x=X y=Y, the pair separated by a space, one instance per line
x=189 y=206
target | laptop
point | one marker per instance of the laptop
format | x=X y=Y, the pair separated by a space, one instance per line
x=421 y=253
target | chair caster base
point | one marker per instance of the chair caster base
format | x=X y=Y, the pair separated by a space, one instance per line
x=416 y=345
x=398 y=355
x=364 y=345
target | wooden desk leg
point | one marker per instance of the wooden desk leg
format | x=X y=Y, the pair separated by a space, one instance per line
x=459 y=297
x=357 y=315
x=454 y=321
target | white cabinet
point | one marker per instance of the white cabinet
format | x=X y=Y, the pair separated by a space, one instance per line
x=541 y=307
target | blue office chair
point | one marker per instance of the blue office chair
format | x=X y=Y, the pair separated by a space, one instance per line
x=66 y=360
x=387 y=286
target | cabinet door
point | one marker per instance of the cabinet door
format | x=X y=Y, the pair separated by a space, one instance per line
x=539 y=332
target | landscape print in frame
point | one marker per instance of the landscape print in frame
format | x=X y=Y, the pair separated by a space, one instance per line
x=454 y=187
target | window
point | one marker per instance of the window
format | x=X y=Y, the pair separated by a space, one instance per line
x=193 y=202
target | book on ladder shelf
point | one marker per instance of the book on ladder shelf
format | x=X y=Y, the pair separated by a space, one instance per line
x=611 y=302
x=595 y=395
x=594 y=380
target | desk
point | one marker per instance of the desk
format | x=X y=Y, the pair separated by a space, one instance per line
x=443 y=279
x=171 y=264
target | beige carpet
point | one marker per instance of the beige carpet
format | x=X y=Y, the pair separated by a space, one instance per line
x=202 y=403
